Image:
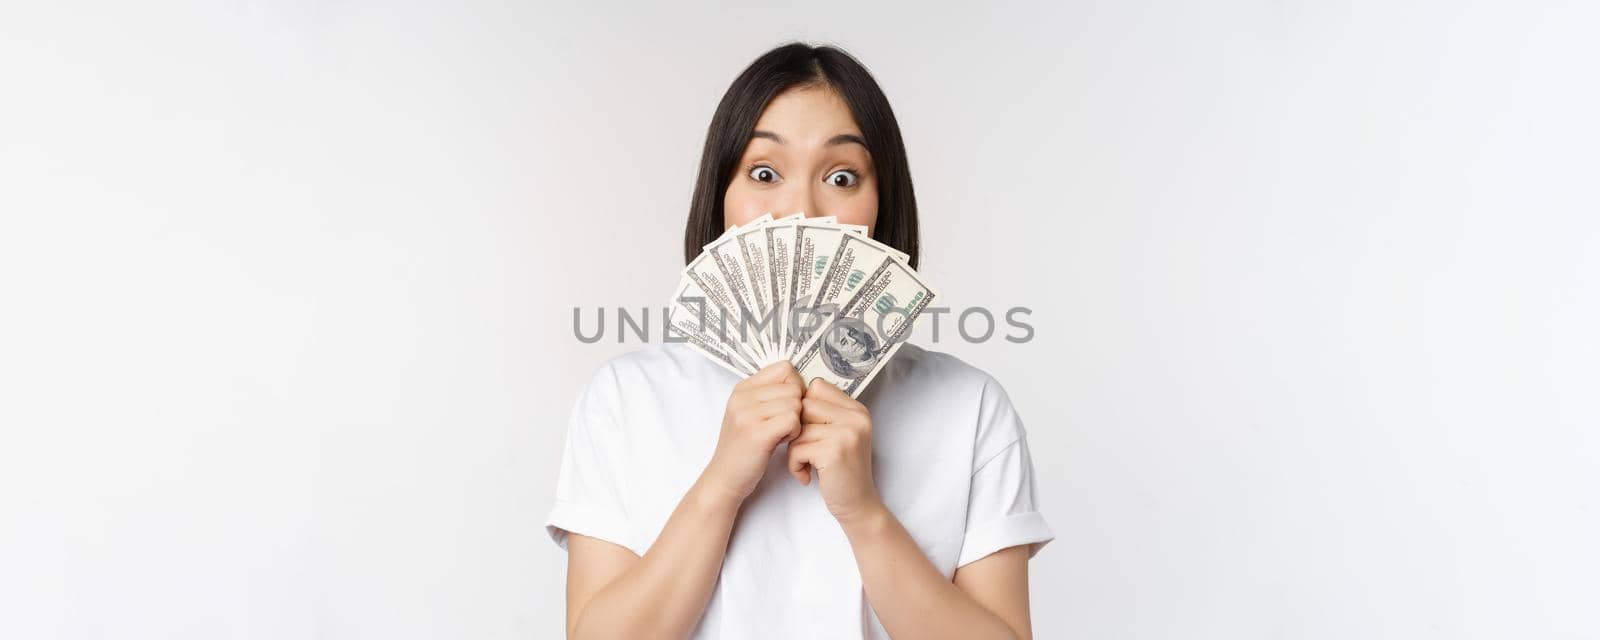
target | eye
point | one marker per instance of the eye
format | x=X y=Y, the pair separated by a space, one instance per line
x=843 y=178
x=763 y=173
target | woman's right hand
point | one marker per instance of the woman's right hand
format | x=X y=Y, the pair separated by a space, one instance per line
x=763 y=411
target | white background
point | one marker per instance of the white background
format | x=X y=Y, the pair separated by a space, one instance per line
x=286 y=342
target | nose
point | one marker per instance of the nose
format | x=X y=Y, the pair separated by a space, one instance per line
x=801 y=199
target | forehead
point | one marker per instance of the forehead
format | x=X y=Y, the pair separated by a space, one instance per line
x=808 y=116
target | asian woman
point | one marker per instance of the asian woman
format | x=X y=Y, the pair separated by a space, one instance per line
x=694 y=504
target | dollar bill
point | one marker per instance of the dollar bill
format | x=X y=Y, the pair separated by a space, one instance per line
x=861 y=230
x=816 y=249
x=744 y=288
x=693 y=318
x=850 y=258
x=823 y=295
x=753 y=248
x=870 y=326
x=709 y=275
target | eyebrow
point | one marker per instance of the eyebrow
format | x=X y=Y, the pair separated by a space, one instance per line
x=843 y=138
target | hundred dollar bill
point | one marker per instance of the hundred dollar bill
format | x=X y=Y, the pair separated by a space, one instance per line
x=814 y=246
x=779 y=238
x=781 y=235
x=703 y=325
x=861 y=230
x=720 y=303
x=719 y=312
x=852 y=258
x=755 y=258
x=760 y=292
x=868 y=329
x=697 y=319
x=708 y=272
x=744 y=287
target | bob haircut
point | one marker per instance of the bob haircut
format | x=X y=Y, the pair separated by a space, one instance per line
x=801 y=65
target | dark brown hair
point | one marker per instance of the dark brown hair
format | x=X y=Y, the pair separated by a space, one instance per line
x=796 y=65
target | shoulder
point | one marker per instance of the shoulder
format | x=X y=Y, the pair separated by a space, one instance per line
x=925 y=371
x=657 y=363
x=658 y=369
x=944 y=394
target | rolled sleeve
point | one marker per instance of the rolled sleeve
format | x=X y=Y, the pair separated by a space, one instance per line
x=1002 y=505
x=1002 y=510
x=590 y=485
x=586 y=519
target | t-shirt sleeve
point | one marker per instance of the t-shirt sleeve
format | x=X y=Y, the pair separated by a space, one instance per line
x=1002 y=508
x=589 y=487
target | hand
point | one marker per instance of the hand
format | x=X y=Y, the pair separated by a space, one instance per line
x=835 y=441
x=763 y=411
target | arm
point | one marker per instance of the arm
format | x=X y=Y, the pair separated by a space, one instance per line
x=614 y=593
x=988 y=597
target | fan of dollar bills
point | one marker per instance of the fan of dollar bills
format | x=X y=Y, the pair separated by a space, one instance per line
x=823 y=295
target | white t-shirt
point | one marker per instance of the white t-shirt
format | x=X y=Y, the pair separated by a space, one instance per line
x=949 y=459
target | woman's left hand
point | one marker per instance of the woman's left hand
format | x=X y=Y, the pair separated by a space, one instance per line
x=836 y=440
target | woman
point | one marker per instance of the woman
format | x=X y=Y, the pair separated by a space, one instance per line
x=808 y=514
